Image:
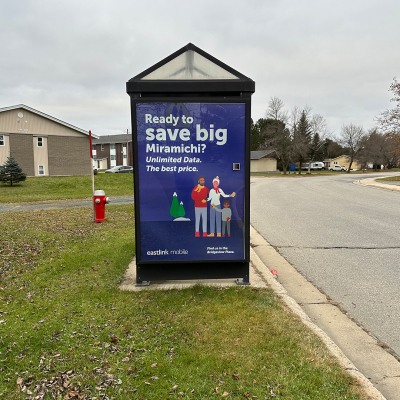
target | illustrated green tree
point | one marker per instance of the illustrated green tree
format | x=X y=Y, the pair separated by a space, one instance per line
x=181 y=210
x=174 y=210
x=11 y=172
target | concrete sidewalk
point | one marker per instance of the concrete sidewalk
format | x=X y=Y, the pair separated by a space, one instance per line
x=372 y=182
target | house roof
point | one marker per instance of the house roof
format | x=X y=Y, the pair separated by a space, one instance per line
x=344 y=155
x=32 y=110
x=256 y=155
x=124 y=138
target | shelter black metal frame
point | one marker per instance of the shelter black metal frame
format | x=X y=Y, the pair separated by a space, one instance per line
x=192 y=91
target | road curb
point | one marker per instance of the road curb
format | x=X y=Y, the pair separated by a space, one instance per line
x=295 y=308
x=371 y=182
x=357 y=351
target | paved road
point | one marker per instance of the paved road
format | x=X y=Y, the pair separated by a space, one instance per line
x=345 y=238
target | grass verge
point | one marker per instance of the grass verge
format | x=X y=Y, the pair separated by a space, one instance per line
x=390 y=178
x=68 y=332
x=304 y=174
x=66 y=187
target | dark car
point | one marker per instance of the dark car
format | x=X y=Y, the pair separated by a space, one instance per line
x=120 y=169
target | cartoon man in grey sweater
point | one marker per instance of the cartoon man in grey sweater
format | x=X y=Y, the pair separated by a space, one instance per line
x=226 y=217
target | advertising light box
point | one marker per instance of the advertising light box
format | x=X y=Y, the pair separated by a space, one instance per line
x=191 y=181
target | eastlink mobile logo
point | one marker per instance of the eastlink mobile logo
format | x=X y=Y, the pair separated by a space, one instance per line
x=166 y=252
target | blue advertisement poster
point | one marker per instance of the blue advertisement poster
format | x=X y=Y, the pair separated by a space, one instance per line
x=191 y=171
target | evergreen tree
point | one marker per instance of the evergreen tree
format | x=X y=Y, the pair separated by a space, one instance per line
x=255 y=136
x=276 y=136
x=174 y=210
x=181 y=211
x=302 y=139
x=11 y=172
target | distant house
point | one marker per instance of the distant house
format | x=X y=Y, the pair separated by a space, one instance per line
x=327 y=162
x=263 y=161
x=344 y=161
x=112 y=150
x=41 y=144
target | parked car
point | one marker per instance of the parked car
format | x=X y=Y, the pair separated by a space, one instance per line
x=120 y=169
x=337 y=168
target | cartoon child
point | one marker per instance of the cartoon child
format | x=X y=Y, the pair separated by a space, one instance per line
x=226 y=217
x=215 y=218
x=199 y=195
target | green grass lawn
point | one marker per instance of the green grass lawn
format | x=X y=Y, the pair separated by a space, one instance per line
x=66 y=187
x=390 y=178
x=68 y=332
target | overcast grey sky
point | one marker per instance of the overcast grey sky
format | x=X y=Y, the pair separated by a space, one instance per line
x=71 y=59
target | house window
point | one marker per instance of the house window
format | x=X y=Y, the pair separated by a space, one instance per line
x=1 y=140
x=112 y=146
x=93 y=147
x=39 y=142
x=41 y=170
x=102 y=147
x=112 y=157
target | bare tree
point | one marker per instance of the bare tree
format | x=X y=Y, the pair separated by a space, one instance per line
x=351 y=137
x=319 y=133
x=375 y=149
x=274 y=110
x=389 y=120
x=394 y=146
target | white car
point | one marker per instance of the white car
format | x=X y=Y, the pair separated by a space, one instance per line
x=120 y=169
x=337 y=168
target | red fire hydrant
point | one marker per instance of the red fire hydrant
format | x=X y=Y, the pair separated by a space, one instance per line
x=100 y=201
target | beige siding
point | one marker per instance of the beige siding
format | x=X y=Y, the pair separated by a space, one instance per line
x=40 y=155
x=4 y=150
x=345 y=162
x=263 y=165
x=31 y=123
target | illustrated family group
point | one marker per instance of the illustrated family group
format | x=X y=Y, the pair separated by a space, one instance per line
x=220 y=217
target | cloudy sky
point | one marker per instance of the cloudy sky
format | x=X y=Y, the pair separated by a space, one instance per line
x=71 y=59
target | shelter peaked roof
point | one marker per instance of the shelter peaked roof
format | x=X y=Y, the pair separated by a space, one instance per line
x=189 y=64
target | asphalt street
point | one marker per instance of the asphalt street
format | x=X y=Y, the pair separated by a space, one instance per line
x=342 y=237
